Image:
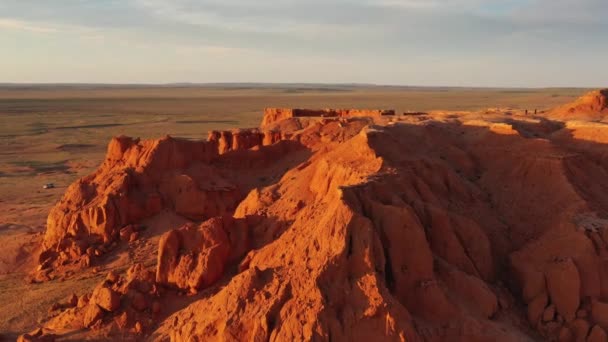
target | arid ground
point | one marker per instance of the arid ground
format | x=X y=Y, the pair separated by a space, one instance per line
x=58 y=134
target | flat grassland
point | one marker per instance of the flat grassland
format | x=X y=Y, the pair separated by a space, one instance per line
x=58 y=133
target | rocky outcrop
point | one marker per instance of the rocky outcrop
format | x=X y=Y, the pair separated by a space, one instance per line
x=562 y=282
x=272 y=115
x=349 y=229
x=122 y=191
x=129 y=301
x=139 y=179
x=380 y=279
x=242 y=139
x=591 y=106
x=412 y=231
x=193 y=258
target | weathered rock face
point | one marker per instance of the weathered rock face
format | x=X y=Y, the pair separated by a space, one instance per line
x=272 y=115
x=138 y=180
x=193 y=258
x=354 y=229
x=121 y=191
x=242 y=139
x=379 y=275
x=411 y=226
x=591 y=106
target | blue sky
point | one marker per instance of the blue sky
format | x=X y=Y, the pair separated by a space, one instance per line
x=529 y=43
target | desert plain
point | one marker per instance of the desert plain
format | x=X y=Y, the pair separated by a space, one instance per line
x=470 y=214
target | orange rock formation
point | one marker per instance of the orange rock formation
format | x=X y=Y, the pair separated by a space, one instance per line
x=272 y=115
x=347 y=229
x=591 y=106
x=140 y=179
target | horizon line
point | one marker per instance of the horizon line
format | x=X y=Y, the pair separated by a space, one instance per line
x=271 y=84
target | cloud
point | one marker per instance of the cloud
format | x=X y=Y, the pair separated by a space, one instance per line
x=430 y=40
x=287 y=17
x=563 y=12
x=22 y=25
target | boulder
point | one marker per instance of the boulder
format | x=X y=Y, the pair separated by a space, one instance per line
x=599 y=313
x=138 y=301
x=597 y=334
x=105 y=298
x=92 y=314
x=536 y=308
x=549 y=313
x=193 y=257
x=563 y=284
x=580 y=330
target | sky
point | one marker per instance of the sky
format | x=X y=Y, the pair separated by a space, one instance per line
x=486 y=43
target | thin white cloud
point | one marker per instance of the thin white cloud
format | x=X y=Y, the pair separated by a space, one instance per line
x=262 y=16
x=457 y=42
x=411 y=4
x=564 y=12
x=22 y=25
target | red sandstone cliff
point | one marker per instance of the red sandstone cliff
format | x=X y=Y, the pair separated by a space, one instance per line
x=272 y=115
x=347 y=229
x=139 y=179
x=591 y=106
